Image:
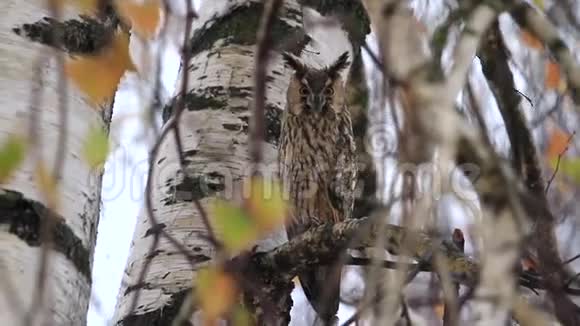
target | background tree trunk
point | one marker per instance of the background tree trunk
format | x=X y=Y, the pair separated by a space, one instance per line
x=214 y=132
x=30 y=78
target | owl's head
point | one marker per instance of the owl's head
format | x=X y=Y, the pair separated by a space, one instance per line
x=315 y=91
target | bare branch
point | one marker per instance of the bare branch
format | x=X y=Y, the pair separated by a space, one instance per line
x=264 y=43
x=527 y=17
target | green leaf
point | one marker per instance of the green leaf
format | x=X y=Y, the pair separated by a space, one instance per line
x=12 y=153
x=539 y=4
x=237 y=229
x=96 y=147
x=570 y=168
x=241 y=317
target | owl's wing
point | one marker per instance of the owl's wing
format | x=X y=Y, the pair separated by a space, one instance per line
x=341 y=189
x=292 y=227
x=282 y=145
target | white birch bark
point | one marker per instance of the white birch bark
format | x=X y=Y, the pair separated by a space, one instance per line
x=214 y=133
x=67 y=284
x=496 y=291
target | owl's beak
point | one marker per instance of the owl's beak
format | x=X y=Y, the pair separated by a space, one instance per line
x=316 y=102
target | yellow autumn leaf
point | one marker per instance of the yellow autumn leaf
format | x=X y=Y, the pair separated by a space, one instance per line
x=571 y=169
x=216 y=292
x=87 y=6
x=96 y=147
x=266 y=203
x=144 y=17
x=238 y=230
x=98 y=75
x=12 y=153
x=47 y=185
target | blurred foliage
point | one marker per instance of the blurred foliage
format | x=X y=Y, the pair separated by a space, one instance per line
x=262 y=211
x=143 y=17
x=96 y=147
x=12 y=153
x=216 y=292
x=98 y=75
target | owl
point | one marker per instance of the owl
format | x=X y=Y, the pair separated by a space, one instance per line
x=317 y=166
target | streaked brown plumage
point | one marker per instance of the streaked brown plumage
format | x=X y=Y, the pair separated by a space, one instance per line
x=317 y=166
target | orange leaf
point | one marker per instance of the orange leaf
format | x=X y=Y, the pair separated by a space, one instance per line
x=144 y=16
x=87 y=6
x=98 y=75
x=439 y=309
x=552 y=75
x=557 y=144
x=216 y=291
x=530 y=40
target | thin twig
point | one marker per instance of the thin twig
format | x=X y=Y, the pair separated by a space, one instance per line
x=568 y=261
x=530 y=19
x=63 y=117
x=558 y=165
x=158 y=231
x=180 y=103
x=210 y=233
x=557 y=106
x=35 y=145
x=156 y=97
x=373 y=56
x=264 y=43
x=359 y=261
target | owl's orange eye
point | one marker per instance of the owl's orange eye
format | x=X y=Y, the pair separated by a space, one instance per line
x=329 y=91
x=303 y=91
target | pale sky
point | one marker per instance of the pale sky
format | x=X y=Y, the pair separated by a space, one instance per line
x=122 y=193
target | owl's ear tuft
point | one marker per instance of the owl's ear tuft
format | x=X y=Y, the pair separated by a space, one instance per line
x=294 y=62
x=339 y=65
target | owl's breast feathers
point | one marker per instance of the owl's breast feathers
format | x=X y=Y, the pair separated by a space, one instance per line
x=318 y=168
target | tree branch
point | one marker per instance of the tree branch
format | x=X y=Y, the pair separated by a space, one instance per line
x=495 y=66
x=527 y=17
x=324 y=243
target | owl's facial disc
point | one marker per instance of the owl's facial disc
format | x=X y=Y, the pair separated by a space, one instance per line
x=315 y=90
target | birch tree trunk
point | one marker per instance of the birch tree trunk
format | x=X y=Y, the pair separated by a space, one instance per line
x=214 y=133
x=61 y=296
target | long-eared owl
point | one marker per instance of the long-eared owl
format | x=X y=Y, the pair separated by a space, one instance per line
x=317 y=166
